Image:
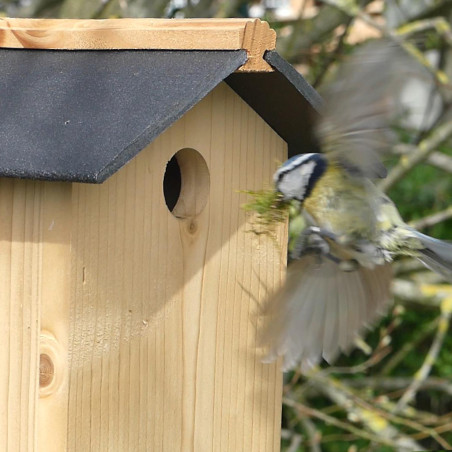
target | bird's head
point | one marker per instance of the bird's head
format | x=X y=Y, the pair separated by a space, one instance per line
x=296 y=177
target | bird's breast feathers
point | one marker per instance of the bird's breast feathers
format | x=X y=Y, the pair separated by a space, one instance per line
x=338 y=203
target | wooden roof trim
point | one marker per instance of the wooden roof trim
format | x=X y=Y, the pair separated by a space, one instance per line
x=253 y=35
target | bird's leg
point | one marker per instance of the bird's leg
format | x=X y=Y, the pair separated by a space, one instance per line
x=321 y=232
x=312 y=241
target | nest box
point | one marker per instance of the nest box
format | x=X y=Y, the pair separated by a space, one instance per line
x=130 y=284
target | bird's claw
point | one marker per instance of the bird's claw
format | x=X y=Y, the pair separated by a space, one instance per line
x=312 y=241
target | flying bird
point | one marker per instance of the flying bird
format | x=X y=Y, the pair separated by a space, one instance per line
x=340 y=276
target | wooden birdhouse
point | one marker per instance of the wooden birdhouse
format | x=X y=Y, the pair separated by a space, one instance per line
x=130 y=284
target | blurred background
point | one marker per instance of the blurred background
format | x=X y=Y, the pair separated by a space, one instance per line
x=394 y=390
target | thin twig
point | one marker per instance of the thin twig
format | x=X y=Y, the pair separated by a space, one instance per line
x=392 y=383
x=440 y=429
x=408 y=291
x=373 y=418
x=313 y=435
x=375 y=358
x=441 y=161
x=440 y=76
x=431 y=357
x=333 y=56
x=423 y=150
x=295 y=439
x=308 y=411
x=433 y=219
x=407 y=347
x=440 y=24
x=436 y=159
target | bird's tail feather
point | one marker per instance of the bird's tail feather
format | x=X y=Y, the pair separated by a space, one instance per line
x=436 y=255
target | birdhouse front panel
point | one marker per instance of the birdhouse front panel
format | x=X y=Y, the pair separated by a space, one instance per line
x=164 y=304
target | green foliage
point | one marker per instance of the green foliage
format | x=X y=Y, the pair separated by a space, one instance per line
x=424 y=191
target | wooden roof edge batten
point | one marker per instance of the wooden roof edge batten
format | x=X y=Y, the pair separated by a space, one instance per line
x=253 y=35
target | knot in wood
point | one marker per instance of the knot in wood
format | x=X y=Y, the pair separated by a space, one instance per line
x=192 y=226
x=46 y=370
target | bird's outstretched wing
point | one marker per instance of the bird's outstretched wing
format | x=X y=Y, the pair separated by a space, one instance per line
x=361 y=105
x=320 y=309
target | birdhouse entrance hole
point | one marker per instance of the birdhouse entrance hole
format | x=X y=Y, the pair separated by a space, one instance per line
x=186 y=183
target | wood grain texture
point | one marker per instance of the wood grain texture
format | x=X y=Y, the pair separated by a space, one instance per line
x=55 y=275
x=32 y=274
x=19 y=313
x=163 y=352
x=252 y=35
x=257 y=39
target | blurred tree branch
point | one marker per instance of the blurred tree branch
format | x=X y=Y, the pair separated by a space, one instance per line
x=430 y=358
x=394 y=383
x=360 y=411
x=408 y=347
x=304 y=410
x=307 y=32
x=433 y=219
x=422 y=151
x=440 y=24
x=436 y=159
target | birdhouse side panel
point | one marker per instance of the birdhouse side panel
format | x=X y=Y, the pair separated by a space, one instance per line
x=19 y=314
x=34 y=301
x=167 y=283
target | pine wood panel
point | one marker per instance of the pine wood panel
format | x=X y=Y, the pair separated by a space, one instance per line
x=253 y=35
x=33 y=276
x=54 y=300
x=163 y=312
x=19 y=313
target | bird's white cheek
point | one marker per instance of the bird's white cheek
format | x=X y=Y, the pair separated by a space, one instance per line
x=292 y=186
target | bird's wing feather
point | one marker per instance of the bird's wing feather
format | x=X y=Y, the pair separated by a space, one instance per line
x=320 y=309
x=361 y=104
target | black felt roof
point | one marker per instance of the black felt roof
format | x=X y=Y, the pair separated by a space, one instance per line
x=81 y=115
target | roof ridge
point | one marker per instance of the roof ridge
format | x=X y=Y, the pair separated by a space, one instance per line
x=253 y=35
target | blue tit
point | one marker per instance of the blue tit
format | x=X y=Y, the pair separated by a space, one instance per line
x=340 y=277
